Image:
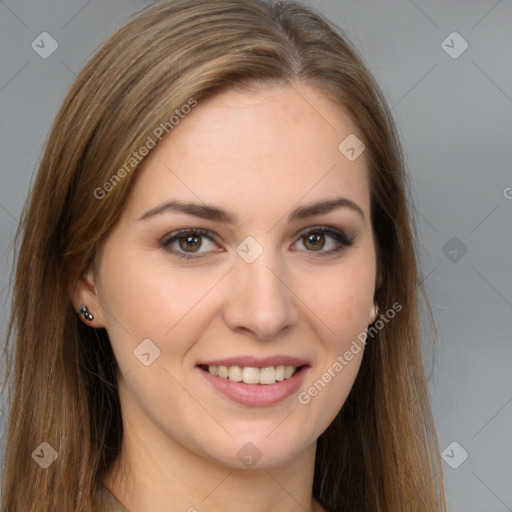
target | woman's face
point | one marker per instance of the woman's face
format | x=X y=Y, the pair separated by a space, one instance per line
x=280 y=282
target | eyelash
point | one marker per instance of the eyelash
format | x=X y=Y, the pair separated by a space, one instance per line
x=341 y=238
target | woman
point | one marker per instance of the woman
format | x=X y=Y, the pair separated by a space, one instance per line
x=215 y=303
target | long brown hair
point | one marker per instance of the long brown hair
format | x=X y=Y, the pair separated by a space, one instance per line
x=380 y=454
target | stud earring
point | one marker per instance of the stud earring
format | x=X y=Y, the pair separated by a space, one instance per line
x=84 y=310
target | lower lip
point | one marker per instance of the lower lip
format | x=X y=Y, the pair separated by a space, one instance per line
x=257 y=395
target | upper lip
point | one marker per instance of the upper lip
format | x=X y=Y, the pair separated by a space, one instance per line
x=257 y=362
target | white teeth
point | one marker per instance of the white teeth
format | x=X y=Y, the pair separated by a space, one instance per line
x=267 y=375
x=288 y=371
x=235 y=373
x=252 y=375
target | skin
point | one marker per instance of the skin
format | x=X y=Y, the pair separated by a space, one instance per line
x=257 y=154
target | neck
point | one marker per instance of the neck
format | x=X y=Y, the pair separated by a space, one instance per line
x=156 y=473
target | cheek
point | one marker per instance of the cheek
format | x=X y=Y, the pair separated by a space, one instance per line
x=340 y=308
x=150 y=298
x=341 y=300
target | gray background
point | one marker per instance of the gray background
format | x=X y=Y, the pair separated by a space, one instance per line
x=453 y=115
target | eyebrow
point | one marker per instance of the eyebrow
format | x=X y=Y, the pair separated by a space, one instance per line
x=215 y=214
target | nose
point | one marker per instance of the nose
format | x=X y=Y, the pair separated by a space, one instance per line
x=260 y=301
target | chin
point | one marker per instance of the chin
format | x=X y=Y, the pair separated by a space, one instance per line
x=257 y=452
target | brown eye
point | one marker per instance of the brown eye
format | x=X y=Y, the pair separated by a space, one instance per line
x=324 y=240
x=190 y=243
x=314 y=241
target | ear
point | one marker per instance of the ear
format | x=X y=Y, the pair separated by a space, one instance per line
x=85 y=293
x=374 y=311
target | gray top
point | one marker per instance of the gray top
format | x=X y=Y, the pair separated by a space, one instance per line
x=110 y=502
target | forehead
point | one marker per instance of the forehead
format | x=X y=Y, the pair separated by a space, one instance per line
x=255 y=149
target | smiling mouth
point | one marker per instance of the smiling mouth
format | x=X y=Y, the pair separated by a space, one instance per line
x=251 y=374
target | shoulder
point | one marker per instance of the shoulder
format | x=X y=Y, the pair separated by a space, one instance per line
x=107 y=502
